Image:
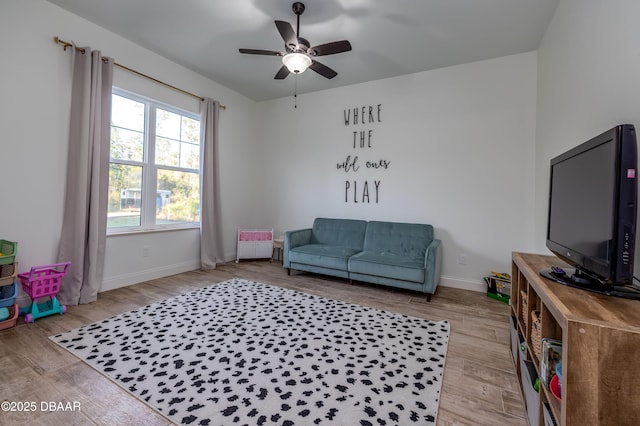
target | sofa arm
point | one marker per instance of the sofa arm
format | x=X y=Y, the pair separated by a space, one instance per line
x=433 y=266
x=294 y=239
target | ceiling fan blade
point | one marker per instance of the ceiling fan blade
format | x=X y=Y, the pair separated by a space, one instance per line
x=261 y=52
x=322 y=69
x=282 y=73
x=288 y=35
x=330 y=48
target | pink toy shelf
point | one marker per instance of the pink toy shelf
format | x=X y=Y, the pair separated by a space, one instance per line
x=40 y=282
x=254 y=244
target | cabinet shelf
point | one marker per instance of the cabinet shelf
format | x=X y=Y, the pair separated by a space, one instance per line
x=600 y=338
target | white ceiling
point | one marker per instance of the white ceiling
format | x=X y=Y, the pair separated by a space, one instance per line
x=389 y=38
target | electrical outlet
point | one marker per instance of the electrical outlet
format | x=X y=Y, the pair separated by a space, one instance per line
x=462 y=259
x=145 y=252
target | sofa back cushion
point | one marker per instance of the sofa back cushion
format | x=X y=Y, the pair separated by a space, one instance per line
x=339 y=232
x=402 y=239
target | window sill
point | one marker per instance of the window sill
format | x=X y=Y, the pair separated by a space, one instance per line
x=126 y=232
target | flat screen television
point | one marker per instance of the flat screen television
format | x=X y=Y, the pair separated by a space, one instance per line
x=592 y=213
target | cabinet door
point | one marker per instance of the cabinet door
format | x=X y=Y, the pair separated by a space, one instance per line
x=264 y=249
x=246 y=249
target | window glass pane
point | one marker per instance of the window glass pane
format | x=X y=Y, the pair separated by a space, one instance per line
x=125 y=196
x=190 y=149
x=127 y=113
x=190 y=156
x=167 y=152
x=190 y=130
x=178 y=197
x=167 y=124
x=126 y=144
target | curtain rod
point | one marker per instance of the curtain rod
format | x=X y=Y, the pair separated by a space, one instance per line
x=66 y=44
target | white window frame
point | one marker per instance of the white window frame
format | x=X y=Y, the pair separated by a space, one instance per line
x=150 y=169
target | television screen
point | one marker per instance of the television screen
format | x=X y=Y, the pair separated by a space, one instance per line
x=592 y=211
x=586 y=181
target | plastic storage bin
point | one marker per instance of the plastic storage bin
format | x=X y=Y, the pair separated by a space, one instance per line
x=14 y=311
x=8 y=273
x=8 y=294
x=8 y=250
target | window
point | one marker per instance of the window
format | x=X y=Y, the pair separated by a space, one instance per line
x=154 y=170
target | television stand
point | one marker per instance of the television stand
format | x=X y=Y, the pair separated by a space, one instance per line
x=600 y=347
x=573 y=278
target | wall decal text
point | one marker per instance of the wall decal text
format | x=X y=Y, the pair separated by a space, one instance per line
x=362 y=142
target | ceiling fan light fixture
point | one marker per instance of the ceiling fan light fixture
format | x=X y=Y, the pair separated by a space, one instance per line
x=299 y=54
x=296 y=62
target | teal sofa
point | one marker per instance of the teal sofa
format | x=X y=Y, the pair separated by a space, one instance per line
x=404 y=255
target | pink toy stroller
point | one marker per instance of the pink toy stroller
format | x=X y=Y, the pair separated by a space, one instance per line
x=40 y=282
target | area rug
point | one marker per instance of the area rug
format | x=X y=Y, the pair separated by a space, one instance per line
x=243 y=352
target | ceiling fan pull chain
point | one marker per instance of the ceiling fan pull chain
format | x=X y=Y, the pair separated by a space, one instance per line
x=295 y=92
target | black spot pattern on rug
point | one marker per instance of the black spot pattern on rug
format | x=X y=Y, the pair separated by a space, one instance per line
x=242 y=352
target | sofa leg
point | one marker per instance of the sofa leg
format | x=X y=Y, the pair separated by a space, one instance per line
x=288 y=271
x=429 y=297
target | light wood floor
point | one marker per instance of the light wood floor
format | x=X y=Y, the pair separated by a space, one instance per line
x=480 y=386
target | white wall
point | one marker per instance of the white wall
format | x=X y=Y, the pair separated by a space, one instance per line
x=460 y=142
x=34 y=116
x=588 y=82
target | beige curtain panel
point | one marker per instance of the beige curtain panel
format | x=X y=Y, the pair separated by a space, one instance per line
x=85 y=210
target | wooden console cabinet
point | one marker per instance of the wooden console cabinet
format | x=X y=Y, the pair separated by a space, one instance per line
x=600 y=346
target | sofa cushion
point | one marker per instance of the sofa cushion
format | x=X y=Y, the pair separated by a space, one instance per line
x=389 y=265
x=339 y=232
x=325 y=255
x=405 y=240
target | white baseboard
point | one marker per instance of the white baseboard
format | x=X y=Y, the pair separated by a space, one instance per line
x=123 y=280
x=463 y=284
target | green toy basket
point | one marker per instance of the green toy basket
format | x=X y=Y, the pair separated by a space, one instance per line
x=8 y=251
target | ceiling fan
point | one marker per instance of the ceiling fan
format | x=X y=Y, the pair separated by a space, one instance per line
x=299 y=54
